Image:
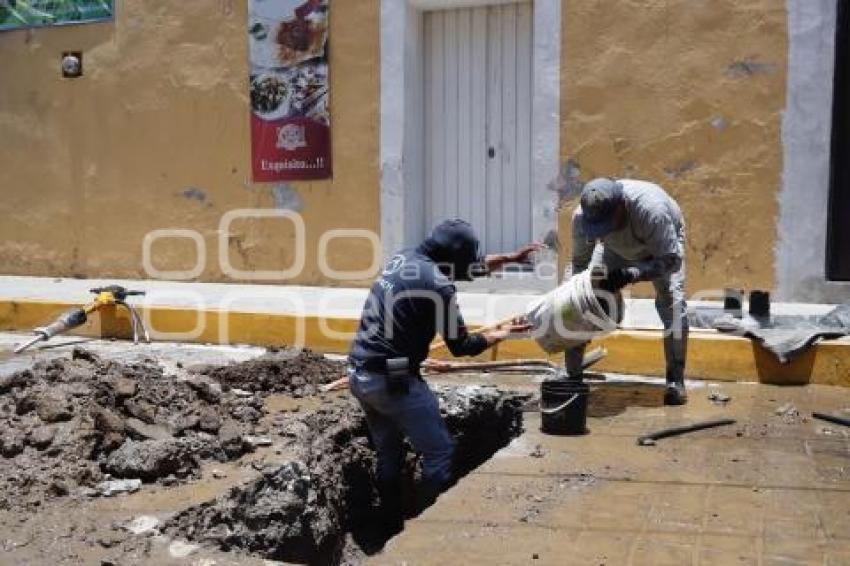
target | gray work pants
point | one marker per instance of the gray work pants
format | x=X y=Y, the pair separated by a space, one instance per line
x=672 y=309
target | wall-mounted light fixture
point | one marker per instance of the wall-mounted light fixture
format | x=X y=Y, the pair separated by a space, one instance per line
x=72 y=64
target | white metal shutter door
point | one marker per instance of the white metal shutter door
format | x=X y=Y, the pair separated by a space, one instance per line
x=477 y=87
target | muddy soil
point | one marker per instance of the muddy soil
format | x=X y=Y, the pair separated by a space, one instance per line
x=320 y=507
x=298 y=373
x=67 y=425
x=75 y=430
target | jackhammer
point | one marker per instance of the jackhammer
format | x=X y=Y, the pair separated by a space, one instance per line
x=105 y=296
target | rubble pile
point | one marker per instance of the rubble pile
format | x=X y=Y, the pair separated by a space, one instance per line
x=70 y=424
x=298 y=373
x=301 y=510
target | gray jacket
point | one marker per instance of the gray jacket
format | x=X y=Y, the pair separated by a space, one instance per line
x=653 y=238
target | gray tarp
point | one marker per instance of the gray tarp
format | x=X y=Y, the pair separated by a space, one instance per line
x=788 y=336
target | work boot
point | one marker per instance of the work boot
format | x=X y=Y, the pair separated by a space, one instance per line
x=391 y=515
x=675 y=393
x=427 y=493
x=675 y=352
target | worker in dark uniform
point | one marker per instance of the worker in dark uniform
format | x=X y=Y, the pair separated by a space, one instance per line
x=412 y=301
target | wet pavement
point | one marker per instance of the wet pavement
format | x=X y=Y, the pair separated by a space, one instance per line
x=772 y=489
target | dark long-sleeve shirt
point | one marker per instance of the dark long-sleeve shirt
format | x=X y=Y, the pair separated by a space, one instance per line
x=407 y=306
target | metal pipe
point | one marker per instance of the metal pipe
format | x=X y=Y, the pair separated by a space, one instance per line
x=832 y=419
x=649 y=439
x=37 y=338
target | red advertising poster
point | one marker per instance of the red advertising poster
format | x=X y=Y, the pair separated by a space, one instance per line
x=290 y=102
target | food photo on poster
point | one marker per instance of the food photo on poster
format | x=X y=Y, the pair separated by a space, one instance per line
x=290 y=104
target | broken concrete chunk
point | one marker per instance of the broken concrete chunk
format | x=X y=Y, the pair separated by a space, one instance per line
x=123 y=387
x=106 y=420
x=180 y=424
x=17 y=379
x=788 y=412
x=79 y=353
x=25 y=402
x=142 y=524
x=114 y=487
x=41 y=437
x=111 y=441
x=719 y=397
x=209 y=420
x=206 y=389
x=143 y=431
x=256 y=441
x=142 y=410
x=53 y=407
x=11 y=444
x=58 y=488
x=180 y=549
x=785 y=409
x=152 y=459
x=230 y=437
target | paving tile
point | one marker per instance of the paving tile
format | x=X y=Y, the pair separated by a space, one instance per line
x=509 y=500
x=727 y=549
x=834 y=513
x=734 y=510
x=771 y=489
x=600 y=547
x=659 y=549
x=459 y=543
x=677 y=507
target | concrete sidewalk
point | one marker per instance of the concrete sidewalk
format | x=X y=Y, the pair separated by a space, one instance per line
x=342 y=302
x=772 y=489
x=325 y=318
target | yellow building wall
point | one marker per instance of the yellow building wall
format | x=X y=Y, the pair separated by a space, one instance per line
x=688 y=94
x=156 y=135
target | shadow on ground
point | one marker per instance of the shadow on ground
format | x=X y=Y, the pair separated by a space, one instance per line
x=610 y=399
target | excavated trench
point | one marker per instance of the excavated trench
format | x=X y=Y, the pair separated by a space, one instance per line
x=320 y=505
x=73 y=428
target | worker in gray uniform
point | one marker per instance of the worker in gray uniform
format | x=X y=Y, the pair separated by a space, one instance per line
x=635 y=231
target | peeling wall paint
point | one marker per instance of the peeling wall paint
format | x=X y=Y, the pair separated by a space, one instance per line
x=287 y=198
x=194 y=193
x=688 y=94
x=156 y=135
x=723 y=102
x=806 y=135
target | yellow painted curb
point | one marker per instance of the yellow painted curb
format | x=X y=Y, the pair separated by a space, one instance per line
x=710 y=355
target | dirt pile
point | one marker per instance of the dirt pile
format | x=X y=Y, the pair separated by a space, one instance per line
x=298 y=373
x=66 y=423
x=302 y=509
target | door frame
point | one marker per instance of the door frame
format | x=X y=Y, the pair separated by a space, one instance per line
x=402 y=129
x=800 y=251
x=838 y=230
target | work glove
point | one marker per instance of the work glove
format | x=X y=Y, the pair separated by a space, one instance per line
x=619 y=278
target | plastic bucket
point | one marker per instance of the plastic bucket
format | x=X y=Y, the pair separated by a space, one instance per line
x=563 y=406
x=573 y=314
